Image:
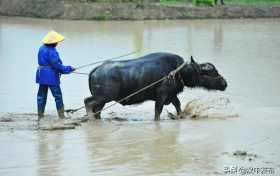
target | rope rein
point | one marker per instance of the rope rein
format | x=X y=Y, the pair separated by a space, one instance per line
x=80 y=73
x=108 y=59
x=170 y=75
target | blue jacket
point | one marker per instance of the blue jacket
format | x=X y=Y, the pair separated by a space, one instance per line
x=50 y=66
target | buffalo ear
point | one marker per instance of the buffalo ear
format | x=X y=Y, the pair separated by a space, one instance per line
x=192 y=60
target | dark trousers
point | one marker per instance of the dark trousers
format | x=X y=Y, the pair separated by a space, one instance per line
x=43 y=94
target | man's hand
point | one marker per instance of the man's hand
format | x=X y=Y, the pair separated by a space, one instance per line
x=73 y=69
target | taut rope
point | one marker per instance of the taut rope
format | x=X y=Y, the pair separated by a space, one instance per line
x=108 y=59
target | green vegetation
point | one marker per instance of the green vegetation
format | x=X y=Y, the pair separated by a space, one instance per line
x=237 y=2
x=118 y=1
x=204 y=2
x=100 y=17
x=251 y=2
x=172 y=1
x=43 y=14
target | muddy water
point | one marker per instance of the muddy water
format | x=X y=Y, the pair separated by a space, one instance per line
x=127 y=141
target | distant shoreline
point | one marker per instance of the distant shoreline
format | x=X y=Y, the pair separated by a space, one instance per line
x=130 y=11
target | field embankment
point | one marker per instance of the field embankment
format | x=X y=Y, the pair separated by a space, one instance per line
x=130 y=11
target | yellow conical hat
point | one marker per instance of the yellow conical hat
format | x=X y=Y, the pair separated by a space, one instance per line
x=52 y=37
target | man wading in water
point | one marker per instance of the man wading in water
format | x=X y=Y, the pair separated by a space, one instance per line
x=48 y=73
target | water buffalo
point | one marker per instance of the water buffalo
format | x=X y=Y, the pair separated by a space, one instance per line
x=114 y=80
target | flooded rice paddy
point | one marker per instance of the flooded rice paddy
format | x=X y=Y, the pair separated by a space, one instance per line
x=236 y=129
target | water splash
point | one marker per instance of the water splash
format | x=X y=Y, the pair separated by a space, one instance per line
x=210 y=107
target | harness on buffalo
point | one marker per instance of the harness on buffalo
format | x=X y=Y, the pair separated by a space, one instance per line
x=172 y=74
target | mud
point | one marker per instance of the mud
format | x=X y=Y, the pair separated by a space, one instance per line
x=240 y=153
x=6 y=119
x=16 y=121
x=60 y=124
x=213 y=108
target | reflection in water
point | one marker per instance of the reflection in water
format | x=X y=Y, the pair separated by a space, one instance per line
x=138 y=40
x=218 y=39
x=125 y=149
x=149 y=149
x=50 y=146
x=164 y=156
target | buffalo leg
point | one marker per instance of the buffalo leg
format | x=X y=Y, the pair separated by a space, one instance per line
x=158 y=110
x=96 y=108
x=93 y=107
x=159 y=106
x=177 y=104
x=89 y=106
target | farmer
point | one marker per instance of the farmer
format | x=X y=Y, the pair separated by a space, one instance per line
x=48 y=73
x=222 y=2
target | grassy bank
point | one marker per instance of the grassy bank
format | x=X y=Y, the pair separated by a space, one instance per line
x=226 y=2
x=251 y=2
x=198 y=2
x=80 y=10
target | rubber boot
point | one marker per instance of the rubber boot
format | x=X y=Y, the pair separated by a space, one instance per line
x=40 y=116
x=41 y=112
x=61 y=113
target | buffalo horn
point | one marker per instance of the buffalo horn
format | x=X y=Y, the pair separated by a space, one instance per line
x=207 y=67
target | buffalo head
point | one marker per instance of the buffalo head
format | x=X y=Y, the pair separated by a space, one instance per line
x=204 y=75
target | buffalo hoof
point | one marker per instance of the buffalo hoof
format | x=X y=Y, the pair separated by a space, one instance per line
x=157 y=118
x=176 y=117
x=171 y=116
x=89 y=115
x=89 y=118
x=181 y=116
